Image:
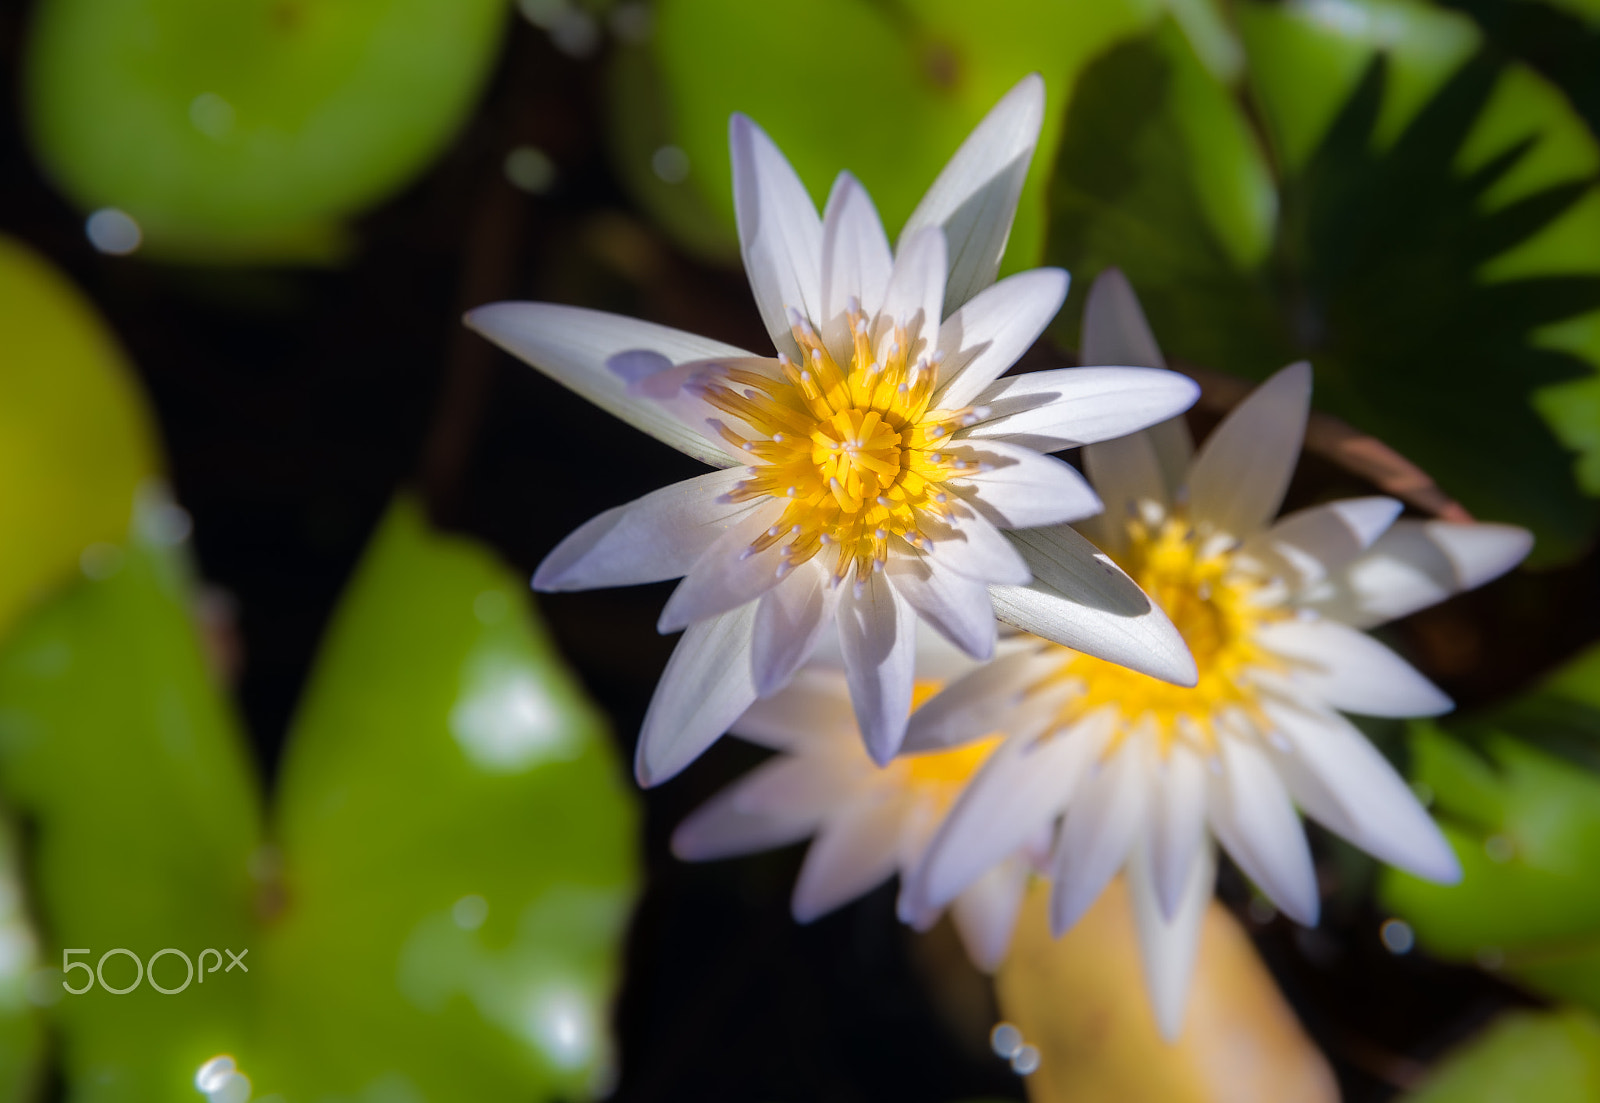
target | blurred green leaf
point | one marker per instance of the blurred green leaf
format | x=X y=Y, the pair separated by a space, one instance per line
x=1431 y=242
x=247 y=131
x=886 y=90
x=75 y=437
x=440 y=910
x=1524 y=819
x=128 y=768
x=21 y=1031
x=458 y=841
x=1553 y=1057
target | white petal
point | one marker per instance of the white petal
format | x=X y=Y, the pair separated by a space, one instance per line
x=649 y=539
x=967 y=709
x=725 y=576
x=705 y=687
x=975 y=196
x=992 y=331
x=1306 y=545
x=1251 y=815
x=789 y=620
x=877 y=633
x=780 y=235
x=572 y=345
x=1102 y=821
x=958 y=607
x=1114 y=327
x=1066 y=407
x=1177 y=826
x=1239 y=476
x=717 y=829
x=1352 y=671
x=744 y=818
x=1081 y=599
x=1115 y=332
x=986 y=914
x=1341 y=780
x=1126 y=471
x=1018 y=791
x=916 y=288
x=815 y=704
x=806 y=785
x=1020 y=489
x=1169 y=945
x=856 y=851
x=856 y=262
x=1416 y=564
x=976 y=549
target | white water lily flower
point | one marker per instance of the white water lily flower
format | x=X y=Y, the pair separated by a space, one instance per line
x=867 y=822
x=872 y=463
x=1142 y=773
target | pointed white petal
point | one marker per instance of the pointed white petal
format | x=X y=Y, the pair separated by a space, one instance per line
x=1115 y=332
x=877 y=633
x=1017 y=488
x=1169 y=945
x=780 y=802
x=1352 y=671
x=814 y=704
x=705 y=687
x=789 y=620
x=780 y=235
x=1066 y=407
x=1239 y=476
x=975 y=196
x=856 y=851
x=992 y=331
x=806 y=785
x=958 y=607
x=1125 y=471
x=976 y=549
x=1251 y=815
x=656 y=537
x=726 y=576
x=916 y=288
x=717 y=829
x=1081 y=599
x=572 y=345
x=1341 y=780
x=1114 y=327
x=1306 y=545
x=1416 y=564
x=1104 y=818
x=967 y=709
x=986 y=914
x=856 y=262
x=1177 y=827
x=1017 y=792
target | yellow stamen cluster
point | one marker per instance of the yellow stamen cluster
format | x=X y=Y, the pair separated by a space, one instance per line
x=1217 y=607
x=945 y=773
x=853 y=449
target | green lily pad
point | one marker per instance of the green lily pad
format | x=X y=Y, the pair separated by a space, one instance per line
x=247 y=131
x=435 y=907
x=75 y=436
x=1429 y=237
x=1518 y=797
x=1553 y=1057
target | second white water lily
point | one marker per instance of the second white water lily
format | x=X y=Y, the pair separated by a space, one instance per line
x=1139 y=774
x=871 y=465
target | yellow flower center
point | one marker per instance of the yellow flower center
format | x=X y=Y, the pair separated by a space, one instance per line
x=1218 y=610
x=852 y=449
